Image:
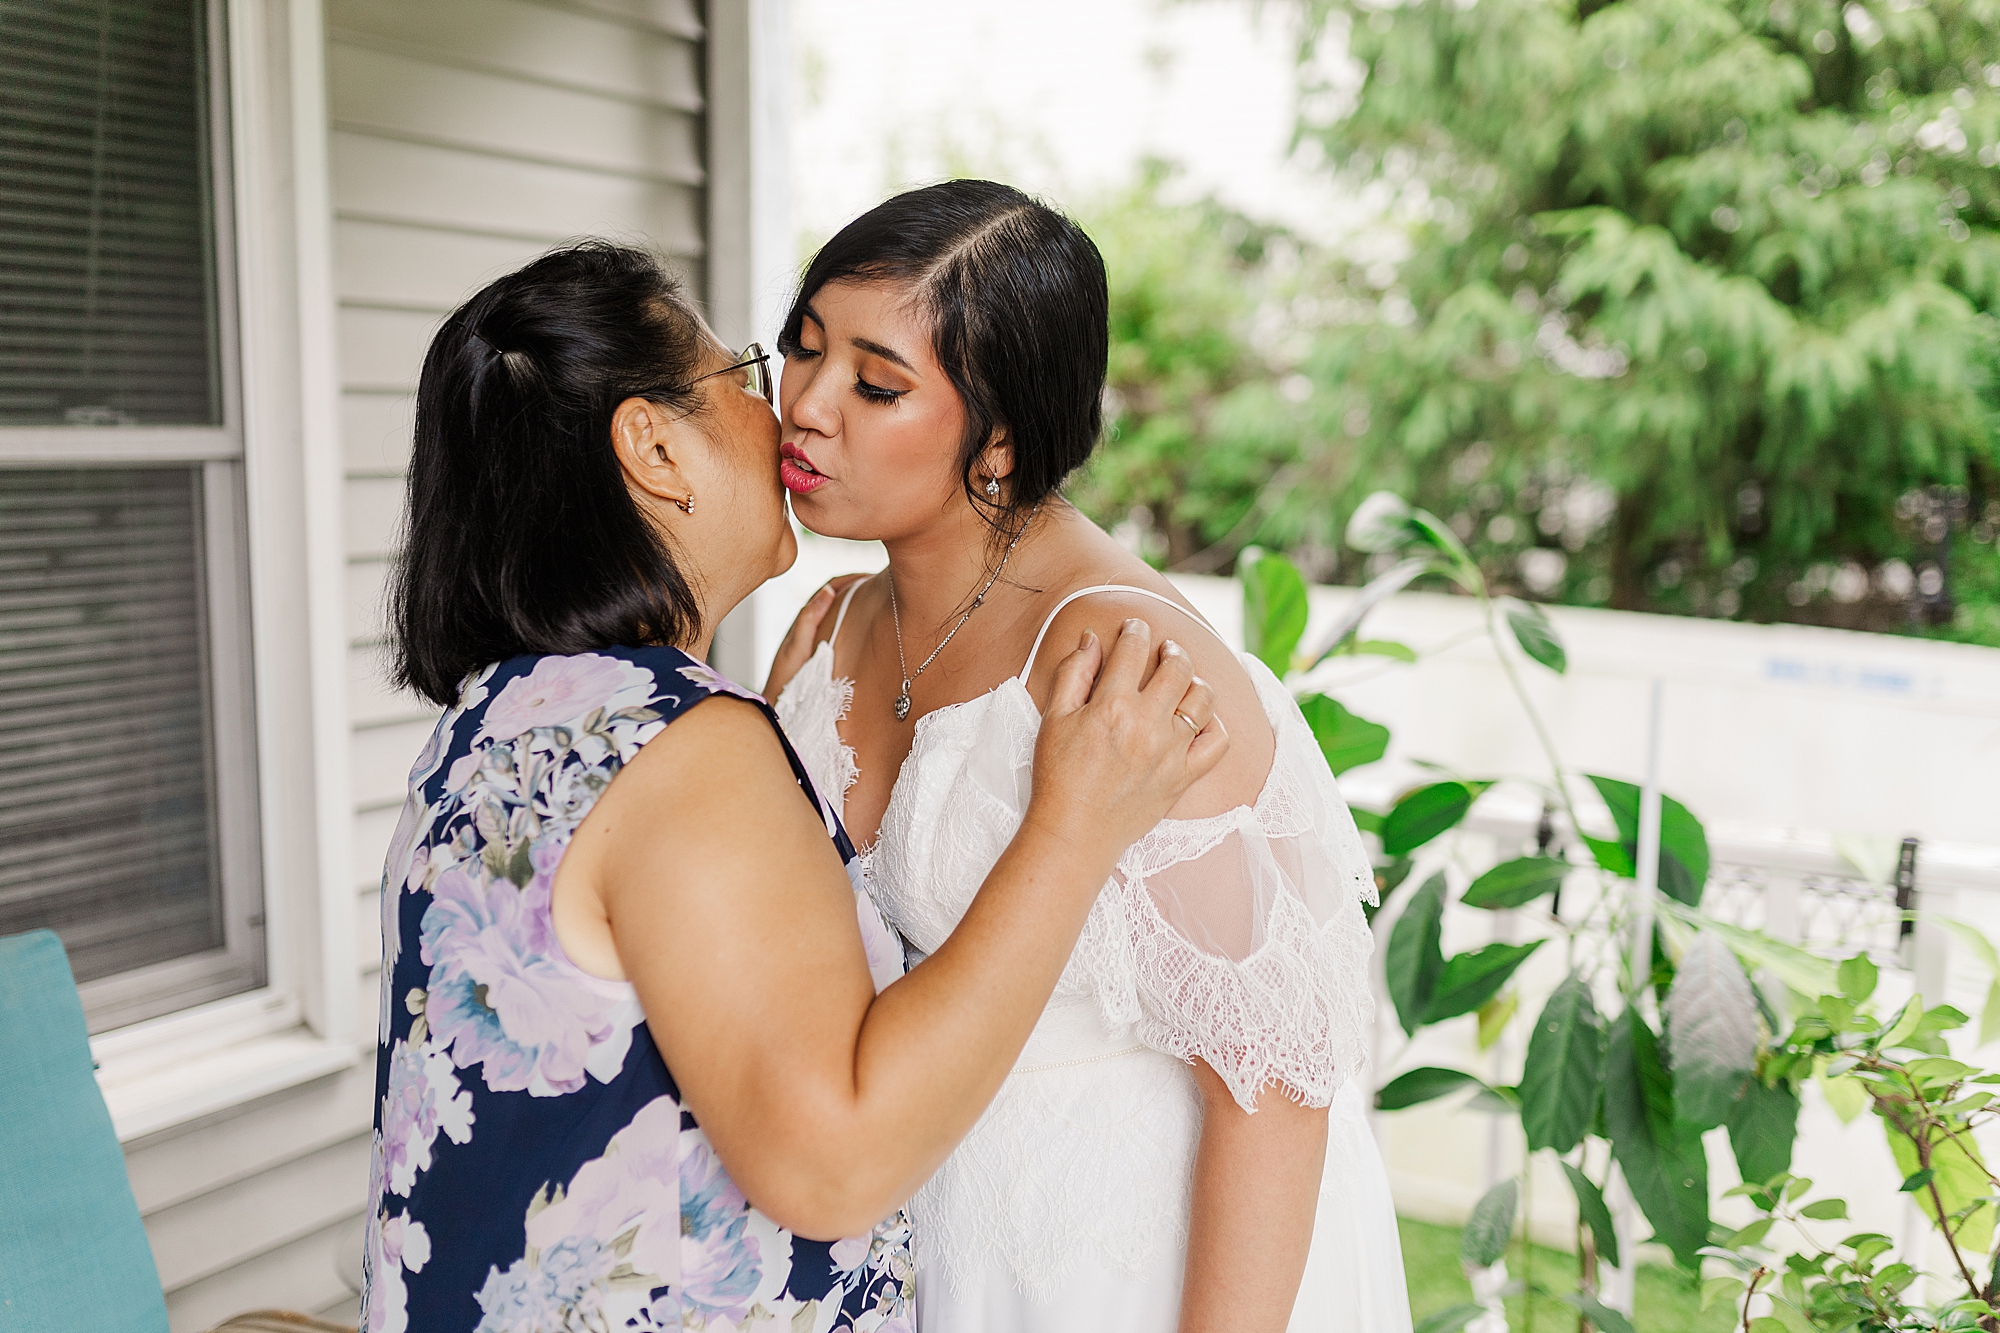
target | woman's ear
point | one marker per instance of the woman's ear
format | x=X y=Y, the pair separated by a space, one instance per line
x=997 y=458
x=652 y=449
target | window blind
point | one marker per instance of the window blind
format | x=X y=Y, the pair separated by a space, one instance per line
x=107 y=280
x=107 y=829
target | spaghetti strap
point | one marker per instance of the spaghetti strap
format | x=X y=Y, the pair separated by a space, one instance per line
x=852 y=588
x=1106 y=587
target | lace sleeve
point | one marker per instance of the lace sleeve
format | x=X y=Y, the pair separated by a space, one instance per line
x=1250 y=946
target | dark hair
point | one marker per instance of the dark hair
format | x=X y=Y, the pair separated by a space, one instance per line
x=520 y=535
x=1016 y=298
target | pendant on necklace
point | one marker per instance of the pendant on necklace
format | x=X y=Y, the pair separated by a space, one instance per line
x=903 y=702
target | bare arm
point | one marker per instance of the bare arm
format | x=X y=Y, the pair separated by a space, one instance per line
x=1257 y=1177
x=731 y=914
x=1256 y=1186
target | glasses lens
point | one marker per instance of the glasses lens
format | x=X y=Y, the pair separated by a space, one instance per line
x=760 y=371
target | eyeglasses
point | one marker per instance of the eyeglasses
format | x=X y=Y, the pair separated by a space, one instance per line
x=758 y=362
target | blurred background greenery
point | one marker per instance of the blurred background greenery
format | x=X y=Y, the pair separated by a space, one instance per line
x=1694 y=312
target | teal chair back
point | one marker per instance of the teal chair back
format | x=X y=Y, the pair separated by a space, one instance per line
x=73 y=1253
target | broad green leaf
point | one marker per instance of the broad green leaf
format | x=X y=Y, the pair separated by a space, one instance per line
x=1347 y=741
x=1491 y=1225
x=1805 y=973
x=1973 y=939
x=1274 y=610
x=1413 y=962
x=1368 y=821
x=1451 y=1319
x=1537 y=637
x=1607 y=1319
x=1751 y=1235
x=1517 y=883
x=1762 y=1126
x=1989 y=1017
x=1501 y=1100
x=1380 y=523
x=1564 y=1071
x=1663 y=1162
x=1426 y=812
x=1717 y=1287
x=1905 y=1023
x=1789 y=1318
x=1611 y=856
x=1388 y=879
x=1592 y=1212
x=1825 y=1210
x=1711 y=1020
x=1766 y=1324
x=1401 y=652
x=1471 y=979
x=1958 y=1175
x=1848 y=1097
x=1857 y=978
x=1422 y=1085
x=1375 y=591
x=1494 y=1016
x=1683 y=842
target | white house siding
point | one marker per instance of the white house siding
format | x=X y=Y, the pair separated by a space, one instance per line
x=465 y=136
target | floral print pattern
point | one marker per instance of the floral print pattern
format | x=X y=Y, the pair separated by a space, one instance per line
x=533 y=1169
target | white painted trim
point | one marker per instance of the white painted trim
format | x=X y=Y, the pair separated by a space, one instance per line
x=187 y=1065
x=331 y=1009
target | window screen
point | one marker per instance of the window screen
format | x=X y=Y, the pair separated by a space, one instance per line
x=107 y=825
x=127 y=758
x=107 y=272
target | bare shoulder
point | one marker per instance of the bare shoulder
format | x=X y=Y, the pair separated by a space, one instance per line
x=870 y=590
x=1241 y=775
x=721 y=746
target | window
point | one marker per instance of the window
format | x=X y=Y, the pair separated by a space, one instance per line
x=127 y=764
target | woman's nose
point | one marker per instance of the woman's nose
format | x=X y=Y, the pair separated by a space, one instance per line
x=806 y=407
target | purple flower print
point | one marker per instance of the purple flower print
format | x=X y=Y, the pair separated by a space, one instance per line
x=424 y=1098
x=558 y=1289
x=721 y=1266
x=633 y=1188
x=500 y=997
x=393 y=1244
x=560 y=690
x=706 y=676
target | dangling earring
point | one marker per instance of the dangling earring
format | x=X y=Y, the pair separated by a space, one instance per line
x=993 y=488
x=687 y=505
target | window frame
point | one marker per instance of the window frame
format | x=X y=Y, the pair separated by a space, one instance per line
x=218 y=454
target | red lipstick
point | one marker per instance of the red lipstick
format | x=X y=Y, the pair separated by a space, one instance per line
x=796 y=471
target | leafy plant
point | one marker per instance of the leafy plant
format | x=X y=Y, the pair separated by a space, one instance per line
x=1602 y=1078
x=1930 y=1107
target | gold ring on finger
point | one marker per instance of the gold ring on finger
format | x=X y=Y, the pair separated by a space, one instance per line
x=1190 y=721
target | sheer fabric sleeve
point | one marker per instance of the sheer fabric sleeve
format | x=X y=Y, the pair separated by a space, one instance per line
x=1250 y=948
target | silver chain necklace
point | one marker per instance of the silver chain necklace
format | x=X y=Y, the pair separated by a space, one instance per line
x=902 y=663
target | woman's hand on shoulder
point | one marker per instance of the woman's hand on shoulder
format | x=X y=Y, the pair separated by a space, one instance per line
x=1124 y=734
x=804 y=635
x=1236 y=777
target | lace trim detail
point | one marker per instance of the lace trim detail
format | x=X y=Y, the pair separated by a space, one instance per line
x=1297 y=1012
x=811 y=708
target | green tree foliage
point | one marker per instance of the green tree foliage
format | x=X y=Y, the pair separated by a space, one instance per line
x=1199 y=420
x=1697 y=312
x=1697 y=291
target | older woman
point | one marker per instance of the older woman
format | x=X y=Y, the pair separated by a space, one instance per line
x=647 y=1060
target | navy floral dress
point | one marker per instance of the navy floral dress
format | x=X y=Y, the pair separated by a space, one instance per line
x=533 y=1169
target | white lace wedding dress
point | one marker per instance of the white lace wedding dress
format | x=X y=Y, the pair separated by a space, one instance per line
x=1238 y=939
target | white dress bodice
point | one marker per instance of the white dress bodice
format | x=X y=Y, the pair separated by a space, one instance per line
x=1239 y=939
